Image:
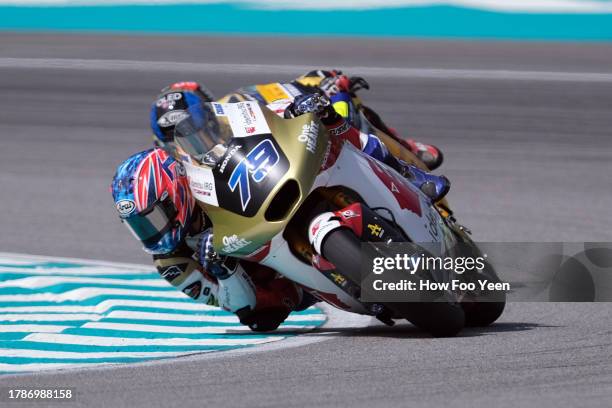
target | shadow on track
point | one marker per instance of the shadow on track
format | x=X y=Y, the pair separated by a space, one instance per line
x=409 y=331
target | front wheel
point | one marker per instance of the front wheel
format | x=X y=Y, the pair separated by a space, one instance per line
x=441 y=319
x=485 y=308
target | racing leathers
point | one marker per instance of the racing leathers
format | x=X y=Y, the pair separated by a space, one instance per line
x=259 y=297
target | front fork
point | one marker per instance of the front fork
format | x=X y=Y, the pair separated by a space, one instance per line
x=368 y=226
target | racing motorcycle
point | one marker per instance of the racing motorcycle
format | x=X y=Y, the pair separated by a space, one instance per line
x=288 y=195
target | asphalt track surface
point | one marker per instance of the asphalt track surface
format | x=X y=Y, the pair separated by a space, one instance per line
x=530 y=160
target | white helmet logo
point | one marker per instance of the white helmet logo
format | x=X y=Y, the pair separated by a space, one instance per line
x=171 y=118
x=125 y=207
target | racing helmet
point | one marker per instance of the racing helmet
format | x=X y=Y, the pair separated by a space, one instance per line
x=171 y=106
x=152 y=196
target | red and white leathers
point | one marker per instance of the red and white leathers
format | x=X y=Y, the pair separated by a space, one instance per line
x=257 y=294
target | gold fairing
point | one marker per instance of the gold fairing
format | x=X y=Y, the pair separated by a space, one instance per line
x=253 y=232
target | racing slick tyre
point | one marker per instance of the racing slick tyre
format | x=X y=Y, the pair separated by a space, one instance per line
x=441 y=319
x=485 y=308
x=482 y=314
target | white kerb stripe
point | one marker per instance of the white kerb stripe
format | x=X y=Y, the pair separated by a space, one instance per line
x=18 y=368
x=29 y=353
x=37 y=282
x=124 y=314
x=107 y=304
x=49 y=317
x=29 y=328
x=88 y=293
x=149 y=328
x=118 y=341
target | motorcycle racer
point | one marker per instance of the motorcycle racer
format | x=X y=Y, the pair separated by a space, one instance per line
x=172 y=104
x=278 y=96
x=153 y=199
x=186 y=260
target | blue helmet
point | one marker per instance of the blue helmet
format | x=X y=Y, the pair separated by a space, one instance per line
x=152 y=197
x=172 y=105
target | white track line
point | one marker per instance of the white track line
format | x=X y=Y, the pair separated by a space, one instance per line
x=37 y=282
x=78 y=270
x=373 y=72
x=29 y=368
x=49 y=317
x=88 y=293
x=107 y=304
x=29 y=328
x=121 y=341
x=29 y=353
x=150 y=328
x=27 y=259
x=124 y=314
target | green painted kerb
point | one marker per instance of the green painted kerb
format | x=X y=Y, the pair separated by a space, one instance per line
x=436 y=21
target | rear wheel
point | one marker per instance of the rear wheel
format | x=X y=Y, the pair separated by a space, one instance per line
x=440 y=318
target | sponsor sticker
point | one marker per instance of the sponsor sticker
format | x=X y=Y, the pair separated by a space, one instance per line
x=349 y=214
x=246 y=119
x=125 y=207
x=340 y=130
x=234 y=243
x=202 y=184
x=292 y=90
x=193 y=290
x=271 y=92
x=376 y=230
x=189 y=85
x=228 y=157
x=279 y=106
x=310 y=132
x=219 y=110
x=315 y=228
x=168 y=101
x=171 y=272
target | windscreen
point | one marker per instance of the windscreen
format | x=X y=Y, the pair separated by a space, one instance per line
x=203 y=133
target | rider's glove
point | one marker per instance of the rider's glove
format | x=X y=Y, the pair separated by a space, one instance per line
x=338 y=82
x=236 y=290
x=205 y=251
x=309 y=103
x=316 y=103
x=217 y=265
x=357 y=83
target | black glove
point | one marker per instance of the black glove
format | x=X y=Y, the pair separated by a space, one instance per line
x=357 y=84
x=315 y=103
x=339 y=82
x=219 y=266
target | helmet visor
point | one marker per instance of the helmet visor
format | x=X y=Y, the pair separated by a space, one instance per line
x=152 y=224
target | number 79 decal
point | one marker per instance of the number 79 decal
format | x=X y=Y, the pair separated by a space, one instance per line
x=256 y=165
